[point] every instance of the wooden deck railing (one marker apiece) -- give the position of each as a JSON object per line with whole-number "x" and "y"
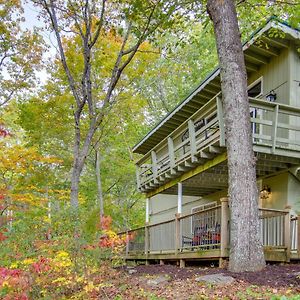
{"x": 209, "y": 229}
{"x": 198, "y": 132}
{"x": 275, "y": 128}
{"x": 294, "y": 234}
{"x": 275, "y": 227}
{"x": 201, "y": 229}
{"x": 161, "y": 237}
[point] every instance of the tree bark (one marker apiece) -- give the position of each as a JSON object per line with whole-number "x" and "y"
{"x": 246, "y": 251}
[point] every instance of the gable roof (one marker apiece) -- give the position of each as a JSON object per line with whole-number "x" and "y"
{"x": 255, "y": 56}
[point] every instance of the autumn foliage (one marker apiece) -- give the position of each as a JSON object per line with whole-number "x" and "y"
{"x": 55, "y": 263}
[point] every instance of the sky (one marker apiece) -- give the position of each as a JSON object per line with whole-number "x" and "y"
{"x": 31, "y": 21}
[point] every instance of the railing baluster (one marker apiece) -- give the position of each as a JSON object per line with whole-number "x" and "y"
{"x": 224, "y": 227}
{"x": 287, "y": 235}
{"x": 298, "y": 235}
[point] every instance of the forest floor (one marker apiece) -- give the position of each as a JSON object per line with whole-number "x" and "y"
{"x": 155, "y": 282}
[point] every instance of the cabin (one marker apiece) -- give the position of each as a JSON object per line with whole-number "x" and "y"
{"x": 183, "y": 165}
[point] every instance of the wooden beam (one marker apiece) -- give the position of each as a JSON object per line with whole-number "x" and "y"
{"x": 200, "y": 97}
{"x": 209, "y": 91}
{"x": 252, "y": 56}
{"x": 276, "y": 42}
{"x": 194, "y": 105}
{"x": 183, "y": 115}
{"x": 199, "y": 169}
{"x": 251, "y": 66}
{"x": 263, "y": 48}
{"x": 277, "y": 158}
{"x": 205, "y": 94}
{"x": 212, "y": 89}
{"x": 204, "y": 154}
{"x": 188, "y": 110}
{"x": 216, "y": 82}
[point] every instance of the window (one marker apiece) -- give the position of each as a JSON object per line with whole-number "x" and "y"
{"x": 255, "y": 89}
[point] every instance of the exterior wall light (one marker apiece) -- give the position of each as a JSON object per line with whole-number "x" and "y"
{"x": 271, "y": 97}
{"x": 265, "y": 192}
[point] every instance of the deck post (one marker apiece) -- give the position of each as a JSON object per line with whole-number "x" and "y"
{"x": 298, "y": 236}
{"x": 221, "y": 121}
{"x": 179, "y": 198}
{"x": 224, "y": 229}
{"x": 192, "y": 137}
{"x": 147, "y": 241}
{"x": 182, "y": 263}
{"x": 287, "y": 234}
{"x": 177, "y": 220}
{"x": 171, "y": 154}
{"x": 177, "y": 233}
{"x": 154, "y": 164}
{"x": 275, "y": 124}
{"x": 147, "y": 210}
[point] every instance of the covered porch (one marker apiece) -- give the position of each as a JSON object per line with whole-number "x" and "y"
{"x": 205, "y": 235}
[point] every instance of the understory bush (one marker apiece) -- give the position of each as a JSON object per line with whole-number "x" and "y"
{"x": 55, "y": 256}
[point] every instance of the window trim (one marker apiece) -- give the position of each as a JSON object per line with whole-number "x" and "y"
{"x": 255, "y": 82}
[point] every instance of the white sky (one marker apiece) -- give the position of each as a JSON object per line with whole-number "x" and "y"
{"x": 31, "y": 21}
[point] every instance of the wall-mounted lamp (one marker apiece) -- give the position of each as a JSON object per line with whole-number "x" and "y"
{"x": 271, "y": 97}
{"x": 265, "y": 192}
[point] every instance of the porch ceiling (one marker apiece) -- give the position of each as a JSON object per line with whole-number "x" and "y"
{"x": 216, "y": 179}
{"x": 258, "y": 51}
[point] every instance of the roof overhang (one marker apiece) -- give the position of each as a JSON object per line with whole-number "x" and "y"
{"x": 255, "y": 55}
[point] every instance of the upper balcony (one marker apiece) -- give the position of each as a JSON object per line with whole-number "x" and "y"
{"x": 201, "y": 138}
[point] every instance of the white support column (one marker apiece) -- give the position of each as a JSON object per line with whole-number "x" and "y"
{"x": 179, "y": 199}
{"x": 147, "y": 210}
{"x": 178, "y": 231}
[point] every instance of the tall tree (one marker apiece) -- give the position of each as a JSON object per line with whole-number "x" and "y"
{"x": 20, "y": 52}
{"x": 136, "y": 20}
{"x": 246, "y": 250}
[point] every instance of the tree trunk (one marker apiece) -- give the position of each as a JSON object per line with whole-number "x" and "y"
{"x": 75, "y": 179}
{"x": 99, "y": 184}
{"x": 246, "y": 251}
{"x": 79, "y": 157}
